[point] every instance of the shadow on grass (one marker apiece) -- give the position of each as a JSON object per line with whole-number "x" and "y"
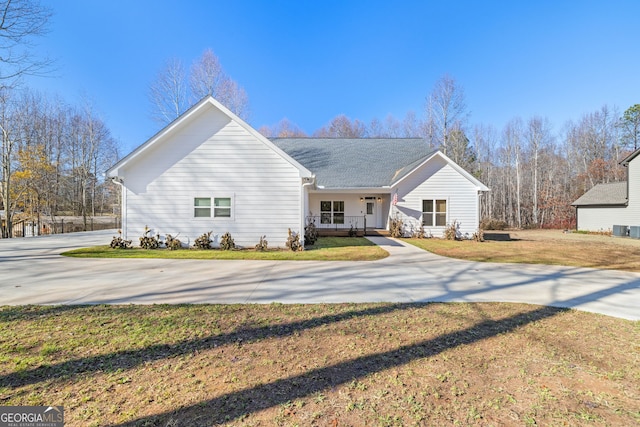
{"x": 232, "y": 406}
{"x": 130, "y": 359}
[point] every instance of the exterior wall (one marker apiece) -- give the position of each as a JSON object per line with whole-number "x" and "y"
{"x": 604, "y": 218}
{"x": 437, "y": 180}
{"x": 212, "y": 156}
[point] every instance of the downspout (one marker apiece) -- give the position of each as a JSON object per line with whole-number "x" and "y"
{"x": 304, "y": 197}
{"x": 123, "y": 205}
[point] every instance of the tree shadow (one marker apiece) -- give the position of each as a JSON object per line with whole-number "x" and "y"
{"x": 235, "y": 405}
{"x": 129, "y": 359}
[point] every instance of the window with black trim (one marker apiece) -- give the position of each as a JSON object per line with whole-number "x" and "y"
{"x": 332, "y": 212}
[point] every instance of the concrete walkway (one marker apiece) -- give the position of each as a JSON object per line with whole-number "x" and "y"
{"x": 33, "y": 272}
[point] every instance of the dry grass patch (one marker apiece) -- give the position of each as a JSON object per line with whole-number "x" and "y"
{"x": 322, "y": 365}
{"x": 544, "y": 247}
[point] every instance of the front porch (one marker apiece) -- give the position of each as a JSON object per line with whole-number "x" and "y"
{"x": 355, "y": 226}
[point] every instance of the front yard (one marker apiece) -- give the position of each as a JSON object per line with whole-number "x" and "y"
{"x": 477, "y": 364}
{"x": 553, "y": 247}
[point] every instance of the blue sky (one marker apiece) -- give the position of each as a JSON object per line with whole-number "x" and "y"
{"x": 312, "y": 60}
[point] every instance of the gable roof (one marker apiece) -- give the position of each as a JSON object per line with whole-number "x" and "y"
{"x": 356, "y": 162}
{"x": 611, "y": 194}
{"x": 206, "y": 102}
{"x": 344, "y": 163}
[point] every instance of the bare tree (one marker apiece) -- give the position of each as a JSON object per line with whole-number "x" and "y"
{"x": 446, "y": 113}
{"x": 537, "y": 137}
{"x": 341, "y": 126}
{"x": 168, "y": 92}
{"x": 284, "y": 129}
{"x": 207, "y": 77}
{"x": 20, "y": 22}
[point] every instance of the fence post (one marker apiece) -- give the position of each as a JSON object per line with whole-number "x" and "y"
{"x": 91, "y": 223}
{"x": 62, "y": 225}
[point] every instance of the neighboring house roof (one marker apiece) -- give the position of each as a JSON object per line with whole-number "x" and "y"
{"x": 356, "y": 163}
{"x": 611, "y": 194}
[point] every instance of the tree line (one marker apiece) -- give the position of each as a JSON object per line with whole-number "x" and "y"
{"x": 53, "y": 154}
{"x": 534, "y": 173}
{"x": 53, "y": 159}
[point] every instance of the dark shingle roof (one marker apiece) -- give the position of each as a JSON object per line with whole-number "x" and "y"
{"x": 356, "y": 163}
{"x": 614, "y": 193}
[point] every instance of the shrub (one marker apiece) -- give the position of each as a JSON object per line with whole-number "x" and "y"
{"x": 396, "y": 227}
{"x": 493, "y": 224}
{"x": 226, "y": 242}
{"x": 353, "y": 232}
{"x": 451, "y": 232}
{"x": 119, "y": 242}
{"x": 262, "y": 244}
{"x": 478, "y": 236}
{"x": 203, "y": 242}
{"x": 293, "y": 241}
{"x": 419, "y": 233}
{"x": 149, "y": 242}
{"x": 172, "y": 243}
{"x": 310, "y": 233}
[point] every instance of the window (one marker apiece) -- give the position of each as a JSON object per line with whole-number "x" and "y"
{"x": 202, "y": 207}
{"x": 332, "y": 212}
{"x": 222, "y": 207}
{"x": 434, "y": 213}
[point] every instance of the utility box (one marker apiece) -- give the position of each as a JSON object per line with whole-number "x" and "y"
{"x": 620, "y": 230}
{"x": 634, "y": 232}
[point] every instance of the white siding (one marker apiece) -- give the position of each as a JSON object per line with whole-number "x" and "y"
{"x": 212, "y": 156}
{"x": 437, "y": 180}
{"x": 604, "y": 218}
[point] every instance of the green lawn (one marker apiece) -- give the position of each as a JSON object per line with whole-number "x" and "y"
{"x": 325, "y": 249}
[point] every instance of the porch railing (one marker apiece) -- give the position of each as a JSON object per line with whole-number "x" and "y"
{"x": 338, "y": 222}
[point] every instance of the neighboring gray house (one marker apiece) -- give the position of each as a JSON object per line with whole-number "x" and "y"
{"x": 209, "y": 170}
{"x": 617, "y": 203}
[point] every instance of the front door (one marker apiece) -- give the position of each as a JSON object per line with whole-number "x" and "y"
{"x": 370, "y": 212}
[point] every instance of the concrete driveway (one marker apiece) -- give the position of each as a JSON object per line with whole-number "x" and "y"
{"x": 33, "y": 272}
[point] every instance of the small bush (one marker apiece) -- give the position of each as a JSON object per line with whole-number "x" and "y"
{"x": 310, "y": 233}
{"x": 293, "y": 241}
{"x": 478, "y": 236}
{"x": 262, "y": 244}
{"x": 493, "y": 224}
{"x": 396, "y": 227}
{"x": 419, "y": 233}
{"x": 203, "y": 241}
{"x": 172, "y": 243}
{"x": 353, "y": 232}
{"x": 226, "y": 242}
{"x": 119, "y": 242}
{"x": 149, "y": 242}
{"x": 451, "y": 232}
